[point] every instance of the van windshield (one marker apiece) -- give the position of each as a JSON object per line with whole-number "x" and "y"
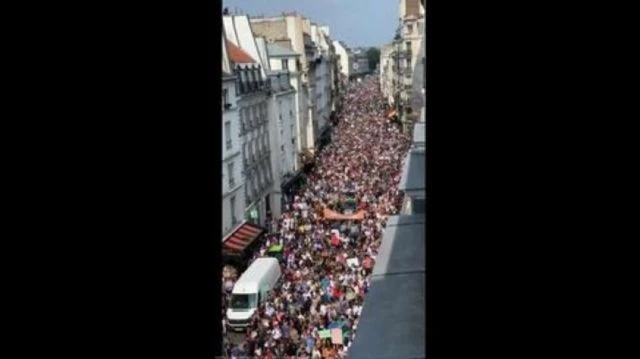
{"x": 243, "y": 301}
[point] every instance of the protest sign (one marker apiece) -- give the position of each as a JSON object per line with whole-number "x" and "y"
{"x": 336, "y": 336}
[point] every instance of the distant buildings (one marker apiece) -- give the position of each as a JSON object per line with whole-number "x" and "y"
{"x": 359, "y": 63}
{"x": 343, "y": 51}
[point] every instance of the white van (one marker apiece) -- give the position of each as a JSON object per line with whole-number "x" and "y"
{"x": 251, "y": 289}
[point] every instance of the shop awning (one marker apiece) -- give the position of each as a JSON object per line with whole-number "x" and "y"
{"x": 236, "y": 242}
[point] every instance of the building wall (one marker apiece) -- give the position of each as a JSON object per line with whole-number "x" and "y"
{"x": 320, "y": 94}
{"x": 283, "y": 148}
{"x": 256, "y": 142}
{"x": 231, "y": 215}
{"x": 345, "y": 65}
{"x": 270, "y": 28}
{"x": 294, "y": 31}
{"x": 276, "y": 63}
{"x": 415, "y": 36}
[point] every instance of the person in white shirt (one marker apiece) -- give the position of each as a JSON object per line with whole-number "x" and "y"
{"x": 269, "y": 311}
{"x": 277, "y": 333}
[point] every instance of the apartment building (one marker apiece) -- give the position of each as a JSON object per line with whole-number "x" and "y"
{"x": 284, "y": 79}
{"x": 233, "y": 199}
{"x": 253, "y": 107}
{"x": 294, "y": 29}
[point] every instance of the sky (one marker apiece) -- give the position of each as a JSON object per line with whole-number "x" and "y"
{"x": 359, "y": 23}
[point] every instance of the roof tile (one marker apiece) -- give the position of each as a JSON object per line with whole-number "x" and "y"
{"x": 237, "y": 55}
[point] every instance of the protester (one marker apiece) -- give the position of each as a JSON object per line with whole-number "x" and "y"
{"x": 327, "y": 264}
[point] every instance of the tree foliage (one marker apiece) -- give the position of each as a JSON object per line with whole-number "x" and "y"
{"x": 373, "y": 55}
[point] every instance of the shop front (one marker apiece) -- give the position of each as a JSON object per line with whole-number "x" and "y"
{"x": 290, "y": 185}
{"x": 325, "y": 137}
{"x": 256, "y": 213}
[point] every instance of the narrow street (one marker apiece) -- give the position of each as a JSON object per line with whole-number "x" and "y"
{"x": 331, "y": 232}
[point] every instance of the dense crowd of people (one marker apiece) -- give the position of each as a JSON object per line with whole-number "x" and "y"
{"x": 326, "y": 264}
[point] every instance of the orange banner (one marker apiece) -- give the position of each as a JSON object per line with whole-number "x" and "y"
{"x": 329, "y": 214}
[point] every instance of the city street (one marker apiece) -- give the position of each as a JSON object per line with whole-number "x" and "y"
{"x": 331, "y": 233}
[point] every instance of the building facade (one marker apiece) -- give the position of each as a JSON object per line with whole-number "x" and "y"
{"x": 283, "y": 80}
{"x": 233, "y": 199}
{"x": 412, "y": 27}
{"x": 255, "y": 118}
{"x": 323, "y": 94}
{"x": 342, "y": 51}
{"x": 388, "y": 73}
{"x": 294, "y": 30}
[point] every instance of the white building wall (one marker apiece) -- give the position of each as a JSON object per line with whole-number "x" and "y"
{"x": 255, "y": 144}
{"x": 319, "y": 95}
{"x": 299, "y": 109}
{"x": 345, "y": 65}
{"x": 232, "y": 155}
{"x": 283, "y": 149}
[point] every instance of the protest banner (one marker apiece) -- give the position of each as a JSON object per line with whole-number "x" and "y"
{"x": 336, "y": 336}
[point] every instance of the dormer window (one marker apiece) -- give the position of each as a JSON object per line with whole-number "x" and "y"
{"x": 243, "y": 80}
{"x": 253, "y": 79}
{"x": 260, "y": 79}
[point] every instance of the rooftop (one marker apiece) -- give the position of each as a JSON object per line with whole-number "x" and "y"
{"x": 419, "y": 133}
{"x": 238, "y": 55}
{"x": 413, "y": 177}
{"x": 279, "y": 51}
{"x": 392, "y": 325}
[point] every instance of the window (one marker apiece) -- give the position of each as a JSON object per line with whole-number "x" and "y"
{"x": 232, "y": 202}
{"x": 409, "y": 28}
{"x": 254, "y": 117}
{"x": 243, "y": 301}
{"x": 242, "y": 119}
{"x": 244, "y": 152}
{"x": 285, "y": 64}
{"x": 254, "y": 80}
{"x": 227, "y": 134}
{"x": 243, "y": 81}
{"x": 232, "y": 179}
{"x": 408, "y": 43}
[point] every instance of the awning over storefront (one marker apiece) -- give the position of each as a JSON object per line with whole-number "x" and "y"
{"x": 236, "y": 242}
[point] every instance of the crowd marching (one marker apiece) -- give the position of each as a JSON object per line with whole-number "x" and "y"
{"x": 327, "y": 264}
